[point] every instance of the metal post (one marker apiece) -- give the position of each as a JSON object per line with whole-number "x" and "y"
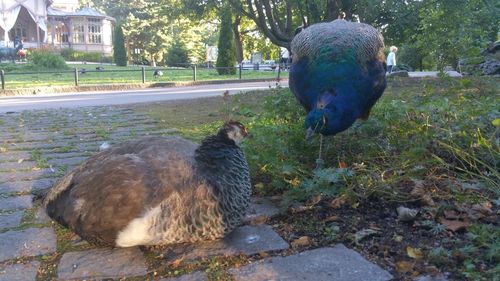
{"x": 2, "y": 75}
{"x": 143, "y": 70}
{"x": 194, "y": 72}
{"x": 279, "y": 73}
{"x": 241, "y": 68}
{"x": 76, "y": 76}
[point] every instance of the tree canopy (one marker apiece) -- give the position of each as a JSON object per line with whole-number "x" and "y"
{"x": 430, "y": 33}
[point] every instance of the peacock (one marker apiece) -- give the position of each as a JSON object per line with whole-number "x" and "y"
{"x": 156, "y": 191}
{"x": 337, "y": 74}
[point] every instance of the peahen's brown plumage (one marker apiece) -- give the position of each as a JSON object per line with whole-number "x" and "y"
{"x": 156, "y": 190}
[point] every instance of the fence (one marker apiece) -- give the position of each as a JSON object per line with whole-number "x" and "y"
{"x": 82, "y": 75}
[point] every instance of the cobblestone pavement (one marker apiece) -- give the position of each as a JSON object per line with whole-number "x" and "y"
{"x": 38, "y": 147}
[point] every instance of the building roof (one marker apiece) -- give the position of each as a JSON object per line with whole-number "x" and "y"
{"x": 84, "y": 12}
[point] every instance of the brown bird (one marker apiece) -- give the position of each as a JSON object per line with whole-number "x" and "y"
{"x": 156, "y": 190}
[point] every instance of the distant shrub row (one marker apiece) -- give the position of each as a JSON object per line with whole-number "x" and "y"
{"x": 72, "y": 55}
{"x": 46, "y": 58}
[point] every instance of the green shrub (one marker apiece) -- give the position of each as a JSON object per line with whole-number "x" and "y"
{"x": 46, "y": 59}
{"x": 226, "y": 59}
{"x": 71, "y": 55}
{"x": 119, "y": 53}
{"x": 177, "y": 54}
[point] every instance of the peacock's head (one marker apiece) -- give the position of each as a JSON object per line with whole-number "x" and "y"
{"x": 316, "y": 122}
{"x": 234, "y": 131}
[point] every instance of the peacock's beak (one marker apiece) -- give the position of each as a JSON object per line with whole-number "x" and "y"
{"x": 309, "y": 133}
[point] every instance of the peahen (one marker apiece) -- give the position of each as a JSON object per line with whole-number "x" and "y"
{"x": 337, "y": 74}
{"x": 156, "y": 190}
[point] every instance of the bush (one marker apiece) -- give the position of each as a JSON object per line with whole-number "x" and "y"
{"x": 46, "y": 59}
{"x": 119, "y": 53}
{"x": 71, "y": 55}
{"x": 177, "y": 54}
{"x": 226, "y": 58}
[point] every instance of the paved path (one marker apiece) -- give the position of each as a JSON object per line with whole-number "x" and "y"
{"x": 38, "y": 147}
{"x": 73, "y": 100}
{"x": 417, "y": 74}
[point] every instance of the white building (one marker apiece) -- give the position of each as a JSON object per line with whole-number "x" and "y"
{"x": 56, "y": 23}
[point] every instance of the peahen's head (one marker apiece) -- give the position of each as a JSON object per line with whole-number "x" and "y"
{"x": 234, "y": 131}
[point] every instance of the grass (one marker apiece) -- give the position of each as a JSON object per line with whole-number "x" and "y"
{"x": 429, "y": 144}
{"x": 111, "y": 75}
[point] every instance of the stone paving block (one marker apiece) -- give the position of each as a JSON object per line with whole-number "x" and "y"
{"x": 27, "y": 175}
{"x": 41, "y": 216}
{"x": 248, "y": 240}
{"x": 19, "y": 272}
{"x": 261, "y": 207}
{"x": 194, "y": 276}
{"x": 324, "y": 264}
{"x": 27, "y": 186}
{"x": 10, "y": 220}
{"x": 16, "y": 202}
{"x": 28, "y": 242}
{"x": 13, "y": 156}
{"x": 102, "y": 263}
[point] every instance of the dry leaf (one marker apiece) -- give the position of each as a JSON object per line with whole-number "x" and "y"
{"x": 427, "y": 200}
{"x": 343, "y": 165}
{"x": 332, "y": 218}
{"x": 177, "y": 262}
{"x": 338, "y": 202}
{"x": 315, "y": 200}
{"x": 451, "y": 214}
{"x": 261, "y": 219}
{"x": 414, "y": 253}
{"x": 364, "y": 233}
{"x": 302, "y": 241}
{"x": 479, "y": 211}
{"x": 20, "y": 161}
{"x": 404, "y": 266}
{"x": 454, "y": 225}
{"x": 406, "y": 214}
{"x": 263, "y": 254}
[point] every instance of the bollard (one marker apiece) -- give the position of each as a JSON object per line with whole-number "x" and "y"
{"x": 194, "y": 72}
{"x": 2, "y": 76}
{"x": 279, "y": 73}
{"x": 143, "y": 70}
{"x": 76, "y": 76}
{"x": 241, "y": 68}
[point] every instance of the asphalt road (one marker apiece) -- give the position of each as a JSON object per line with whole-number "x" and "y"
{"x": 72, "y": 100}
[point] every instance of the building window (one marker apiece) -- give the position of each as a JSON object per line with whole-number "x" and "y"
{"x": 20, "y": 31}
{"x": 95, "y": 34}
{"x": 78, "y": 32}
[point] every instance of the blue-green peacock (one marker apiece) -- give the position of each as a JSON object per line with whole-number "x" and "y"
{"x": 337, "y": 74}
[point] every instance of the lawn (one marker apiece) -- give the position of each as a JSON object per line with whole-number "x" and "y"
{"x": 14, "y": 77}
{"x": 430, "y": 146}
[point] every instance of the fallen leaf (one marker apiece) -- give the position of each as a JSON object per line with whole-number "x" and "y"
{"x": 259, "y": 186}
{"x": 454, "y": 225}
{"x": 332, "y": 218}
{"x": 451, "y": 214}
{"x": 315, "y": 200}
{"x": 479, "y": 211}
{"x": 263, "y": 254}
{"x": 177, "y": 262}
{"x": 300, "y": 208}
{"x": 414, "y": 253}
{"x": 404, "y": 266}
{"x": 261, "y": 219}
{"x": 302, "y": 241}
{"x": 364, "y": 233}
{"x": 20, "y": 161}
{"x": 406, "y": 214}
{"x": 427, "y": 200}
{"x": 338, "y": 202}
{"x": 397, "y": 238}
{"x": 343, "y": 165}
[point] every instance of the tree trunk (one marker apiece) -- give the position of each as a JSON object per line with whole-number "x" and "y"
{"x": 237, "y": 39}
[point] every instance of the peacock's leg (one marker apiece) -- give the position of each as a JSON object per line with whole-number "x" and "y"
{"x": 320, "y": 162}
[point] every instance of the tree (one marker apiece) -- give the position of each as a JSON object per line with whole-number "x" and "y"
{"x": 177, "y": 54}
{"x": 226, "y": 50}
{"x": 119, "y": 51}
{"x": 446, "y": 33}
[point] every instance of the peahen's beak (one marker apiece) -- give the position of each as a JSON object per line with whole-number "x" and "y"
{"x": 309, "y": 133}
